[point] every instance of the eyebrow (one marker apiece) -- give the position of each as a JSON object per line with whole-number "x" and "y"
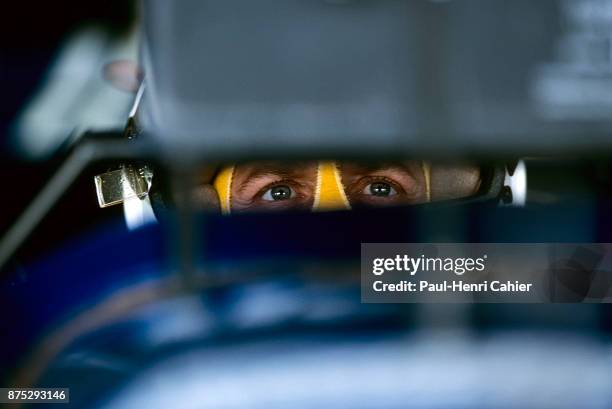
{"x": 405, "y": 168}
{"x": 269, "y": 170}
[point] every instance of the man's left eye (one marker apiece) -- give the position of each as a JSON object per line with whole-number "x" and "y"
{"x": 279, "y": 192}
{"x": 379, "y": 189}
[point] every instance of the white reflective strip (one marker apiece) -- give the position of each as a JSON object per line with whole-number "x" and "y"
{"x": 138, "y": 212}
{"x": 518, "y": 183}
{"x": 136, "y": 104}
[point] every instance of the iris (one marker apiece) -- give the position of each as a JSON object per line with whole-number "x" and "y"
{"x": 276, "y": 193}
{"x": 380, "y": 189}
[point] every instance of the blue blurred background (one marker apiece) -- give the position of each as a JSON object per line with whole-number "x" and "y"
{"x": 272, "y": 315}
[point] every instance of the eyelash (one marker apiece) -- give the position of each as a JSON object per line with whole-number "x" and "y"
{"x": 284, "y": 182}
{"x": 367, "y": 180}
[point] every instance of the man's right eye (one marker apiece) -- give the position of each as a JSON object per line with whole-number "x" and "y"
{"x": 277, "y": 193}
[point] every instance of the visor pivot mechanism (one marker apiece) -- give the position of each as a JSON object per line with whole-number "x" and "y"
{"x": 116, "y": 186}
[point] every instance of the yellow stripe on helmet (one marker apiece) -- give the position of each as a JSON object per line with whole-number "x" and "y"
{"x": 330, "y": 193}
{"x": 223, "y": 186}
{"x": 425, "y": 166}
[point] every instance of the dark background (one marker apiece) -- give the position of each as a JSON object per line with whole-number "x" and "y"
{"x": 31, "y": 33}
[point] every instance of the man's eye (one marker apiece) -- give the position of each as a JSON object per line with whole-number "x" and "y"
{"x": 379, "y": 189}
{"x": 279, "y": 192}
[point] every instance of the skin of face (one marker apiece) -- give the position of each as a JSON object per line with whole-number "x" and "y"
{"x": 384, "y": 184}
{"x": 256, "y": 184}
{"x": 283, "y": 186}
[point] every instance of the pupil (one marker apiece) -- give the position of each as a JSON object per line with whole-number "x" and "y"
{"x": 380, "y": 189}
{"x": 281, "y": 192}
